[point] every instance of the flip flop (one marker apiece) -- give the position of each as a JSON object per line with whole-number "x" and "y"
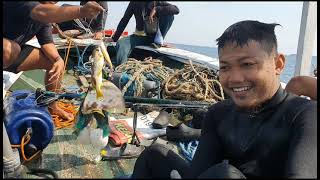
{"x": 126, "y": 151}
{"x": 182, "y": 133}
{"x": 161, "y": 121}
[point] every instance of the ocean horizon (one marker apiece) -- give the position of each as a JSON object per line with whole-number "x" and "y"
{"x": 285, "y": 76}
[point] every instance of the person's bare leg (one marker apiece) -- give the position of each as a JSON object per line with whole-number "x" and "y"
{"x": 11, "y": 50}
{"x": 37, "y": 60}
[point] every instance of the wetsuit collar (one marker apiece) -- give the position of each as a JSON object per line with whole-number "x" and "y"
{"x": 276, "y": 99}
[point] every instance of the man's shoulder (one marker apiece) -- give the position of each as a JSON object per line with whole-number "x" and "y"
{"x": 21, "y": 7}
{"x": 20, "y": 3}
{"x": 296, "y": 105}
{"x": 296, "y": 102}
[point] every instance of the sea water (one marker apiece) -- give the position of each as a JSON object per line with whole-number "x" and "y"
{"x": 286, "y": 75}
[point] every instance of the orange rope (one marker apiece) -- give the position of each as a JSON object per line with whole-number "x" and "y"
{"x": 65, "y": 61}
{"x": 25, "y": 140}
{"x": 62, "y": 123}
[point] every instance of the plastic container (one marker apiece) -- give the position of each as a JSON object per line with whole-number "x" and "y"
{"x": 21, "y": 113}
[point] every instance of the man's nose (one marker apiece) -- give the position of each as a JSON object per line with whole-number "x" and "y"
{"x": 235, "y": 76}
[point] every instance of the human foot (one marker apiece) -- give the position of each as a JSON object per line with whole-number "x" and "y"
{"x": 55, "y": 109}
{"x": 167, "y": 45}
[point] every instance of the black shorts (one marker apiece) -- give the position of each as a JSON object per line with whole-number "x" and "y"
{"x": 25, "y": 52}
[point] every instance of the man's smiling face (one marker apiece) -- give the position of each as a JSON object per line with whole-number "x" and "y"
{"x": 248, "y": 74}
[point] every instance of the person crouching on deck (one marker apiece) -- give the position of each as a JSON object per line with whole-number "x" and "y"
{"x": 22, "y": 21}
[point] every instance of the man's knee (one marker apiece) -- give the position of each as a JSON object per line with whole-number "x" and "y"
{"x": 294, "y": 85}
{"x": 11, "y": 51}
{"x": 222, "y": 170}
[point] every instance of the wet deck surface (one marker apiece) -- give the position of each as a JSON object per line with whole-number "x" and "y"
{"x": 70, "y": 159}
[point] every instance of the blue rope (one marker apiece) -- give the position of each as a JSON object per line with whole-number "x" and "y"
{"x": 124, "y": 78}
{"x": 81, "y": 66}
{"x": 188, "y": 149}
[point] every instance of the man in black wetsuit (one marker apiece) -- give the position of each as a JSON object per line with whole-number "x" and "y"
{"x": 262, "y": 131}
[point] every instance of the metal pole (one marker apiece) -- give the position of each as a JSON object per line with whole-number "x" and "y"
{"x": 308, "y": 28}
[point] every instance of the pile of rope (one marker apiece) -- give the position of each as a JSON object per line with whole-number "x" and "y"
{"x": 63, "y": 123}
{"x": 149, "y": 68}
{"x": 193, "y": 83}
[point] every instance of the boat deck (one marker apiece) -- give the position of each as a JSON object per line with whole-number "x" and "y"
{"x": 64, "y": 154}
{"x": 70, "y": 159}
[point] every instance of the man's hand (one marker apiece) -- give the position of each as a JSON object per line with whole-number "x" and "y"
{"x": 98, "y": 35}
{"x": 152, "y": 15}
{"x": 56, "y": 70}
{"x": 90, "y": 10}
{"x": 108, "y": 39}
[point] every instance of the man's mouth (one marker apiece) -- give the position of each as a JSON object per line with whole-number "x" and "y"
{"x": 241, "y": 89}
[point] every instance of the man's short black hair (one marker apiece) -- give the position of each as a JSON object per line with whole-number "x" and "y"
{"x": 243, "y": 31}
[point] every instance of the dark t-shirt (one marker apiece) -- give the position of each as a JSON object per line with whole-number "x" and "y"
{"x": 20, "y": 27}
{"x": 279, "y": 140}
{"x": 141, "y": 9}
{"x": 134, "y": 8}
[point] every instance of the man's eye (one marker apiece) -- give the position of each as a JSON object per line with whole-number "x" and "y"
{"x": 223, "y": 68}
{"x": 247, "y": 64}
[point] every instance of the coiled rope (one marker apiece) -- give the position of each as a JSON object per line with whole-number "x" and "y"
{"x": 140, "y": 70}
{"x": 193, "y": 83}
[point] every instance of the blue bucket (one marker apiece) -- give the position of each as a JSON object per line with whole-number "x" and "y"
{"x": 21, "y": 113}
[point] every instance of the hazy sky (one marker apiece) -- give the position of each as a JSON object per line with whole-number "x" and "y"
{"x": 201, "y": 23}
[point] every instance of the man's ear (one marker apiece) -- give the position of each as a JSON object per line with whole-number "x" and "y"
{"x": 280, "y": 61}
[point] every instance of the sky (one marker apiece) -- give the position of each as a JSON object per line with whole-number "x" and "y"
{"x": 200, "y": 23}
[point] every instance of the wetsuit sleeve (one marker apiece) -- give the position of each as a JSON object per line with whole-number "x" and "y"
{"x": 209, "y": 150}
{"x": 44, "y": 35}
{"x": 165, "y": 8}
{"x": 302, "y": 156}
{"x": 124, "y": 21}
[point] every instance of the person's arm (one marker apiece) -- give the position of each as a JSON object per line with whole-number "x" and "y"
{"x": 303, "y": 85}
{"x": 123, "y": 22}
{"x": 44, "y": 37}
{"x": 50, "y": 13}
{"x": 302, "y": 156}
{"x": 52, "y": 54}
{"x": 209, "y": 150}
{"x": 98, "y": 23}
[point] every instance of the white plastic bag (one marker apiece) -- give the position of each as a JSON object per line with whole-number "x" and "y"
{"x": 92, "y": 136}
{"x": 84, "y": 136}
{"x": 97, "y": 139}
{"x": 158, "y": 39}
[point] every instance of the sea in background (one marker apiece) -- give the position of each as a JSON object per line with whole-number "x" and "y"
{"x": 286, "y": 75}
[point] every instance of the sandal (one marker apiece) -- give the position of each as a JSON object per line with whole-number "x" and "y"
{"x": 126, "y": 151}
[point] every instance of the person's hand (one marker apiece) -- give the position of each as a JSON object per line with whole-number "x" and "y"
{"x": 98, "y": 35}
{"x": 90, "y": 10}
{"x": 152, "y": 15}
{"x": 108, "y": 39}
{"x": 56, "y": 70}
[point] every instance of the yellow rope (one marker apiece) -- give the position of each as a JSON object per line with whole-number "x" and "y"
{"x": 193, "y": 83}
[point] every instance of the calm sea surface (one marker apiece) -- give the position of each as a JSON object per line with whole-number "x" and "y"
{"x": 286, "y": 75}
